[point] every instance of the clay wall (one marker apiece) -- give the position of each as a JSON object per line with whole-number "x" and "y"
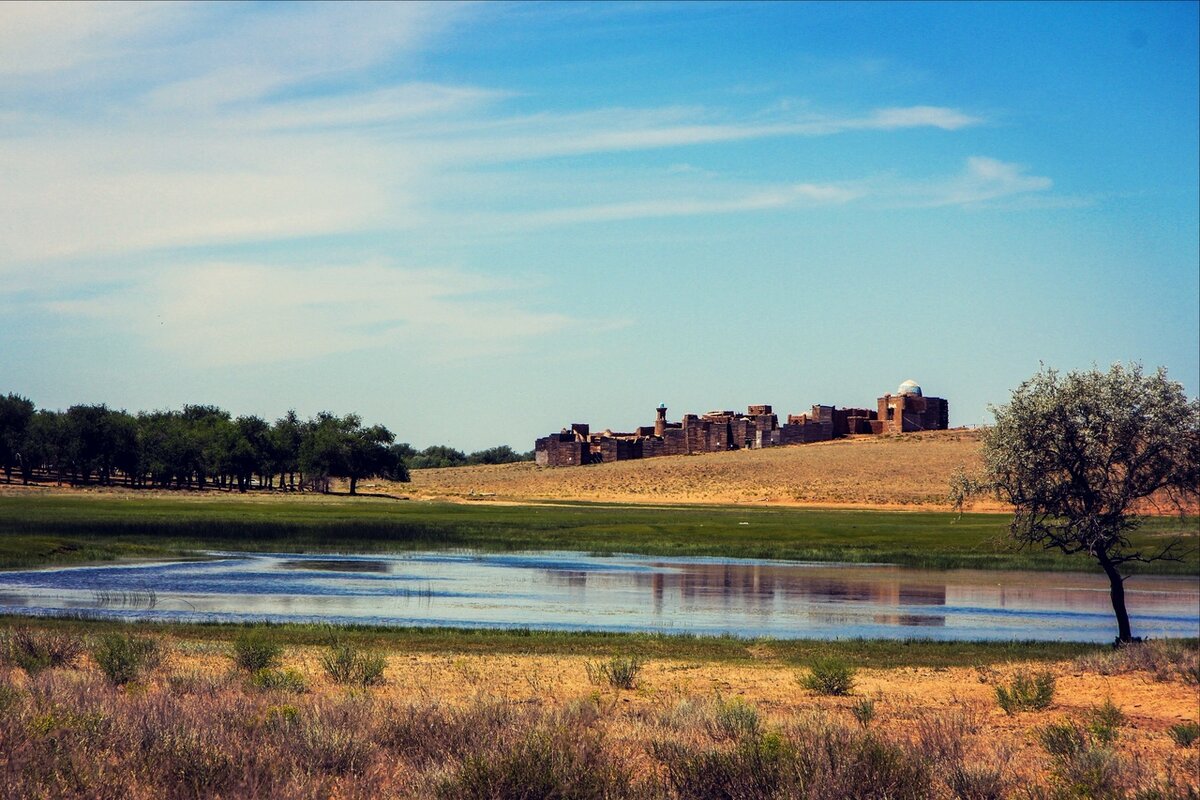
{"x": 717, "y": 431}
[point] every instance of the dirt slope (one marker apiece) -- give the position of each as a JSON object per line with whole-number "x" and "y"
{"x": 910, "y": 470}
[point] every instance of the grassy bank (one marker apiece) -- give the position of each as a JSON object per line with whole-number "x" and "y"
{"x": 59, "y": 529}
{"x": 867, "y": 653}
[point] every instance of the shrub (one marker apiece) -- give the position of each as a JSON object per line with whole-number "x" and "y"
{"x": 286, "y": 680}
{"x": 122, "y": 657}
{"x": 620, "y": 672}
{"x": 346, "y": 664}
{"x": 254, "y": 650}
{"x": 335, "y": 738}
{"x": 1026, "y": 693}
{"x": 736, "y": 719}
{"x": 977, "y": 781}
{"x": 197, "y": 682}
{"x": 1105, "y": 721}
{"x": 759, "y": 767}
{"x": 556, "y": 762}
{"x": 434, "y": 733}
{"x": 34, "y": 651}
{"x": 831, "y": 676}
{"x": 1063, "y": 740}
{"x": 1185, "y": 733}
{"x": 1164, "y": 659}
{"x": 863, "y": 711}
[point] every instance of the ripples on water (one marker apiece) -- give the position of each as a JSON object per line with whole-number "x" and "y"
{"x": 619, "y": 593}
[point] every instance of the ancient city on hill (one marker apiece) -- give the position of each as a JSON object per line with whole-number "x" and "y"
{"x": 908, "y": 409}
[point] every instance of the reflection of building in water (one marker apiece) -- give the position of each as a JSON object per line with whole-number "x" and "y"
{"x": 764, "y": 588}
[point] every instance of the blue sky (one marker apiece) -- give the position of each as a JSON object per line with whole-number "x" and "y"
{"x": 479, "y": 223}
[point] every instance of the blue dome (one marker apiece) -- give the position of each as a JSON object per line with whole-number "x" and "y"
{"x": 909, "y": 387}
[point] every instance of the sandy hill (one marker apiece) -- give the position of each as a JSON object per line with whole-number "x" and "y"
{"x": 867, "y": 471}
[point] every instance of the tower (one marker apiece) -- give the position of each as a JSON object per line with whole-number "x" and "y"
{"x": 660, "y": 423}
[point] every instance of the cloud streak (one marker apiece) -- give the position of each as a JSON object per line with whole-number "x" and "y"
{"x": 225, "y": 314}
{"x": 144, "y": 129}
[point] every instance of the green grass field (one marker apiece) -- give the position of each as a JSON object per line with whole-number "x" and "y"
{"x": 866, "y": 653}
{"x": 59, "y": 529}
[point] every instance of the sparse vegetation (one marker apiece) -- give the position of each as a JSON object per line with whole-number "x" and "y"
{"x": 619, "y": 672}
{"x": 831, "y": 676}
{"x": 1026, "y": 692}
{"x": 202, "y": 731}
{"x": 255, "y": 651}
{"x": 735, "y": 719}
{"x": 35, "y": 650}
{"x": 284, "y": 680}
{"x": 863, "y": 711}
{"x": 1105, "y": 721}
{"x": 123, "y": 657}
{"x": 1185, "y": 733}
{"x": 1163, "y": 659}
{"x": 347, "y": 664}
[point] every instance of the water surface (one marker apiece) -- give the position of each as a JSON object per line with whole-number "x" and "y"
{"x": 617, "y": 593}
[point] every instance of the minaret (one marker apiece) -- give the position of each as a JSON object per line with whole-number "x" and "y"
{"x": 660, "y": 424}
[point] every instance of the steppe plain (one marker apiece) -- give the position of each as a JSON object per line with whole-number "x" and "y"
{"x": 512, "y": 714}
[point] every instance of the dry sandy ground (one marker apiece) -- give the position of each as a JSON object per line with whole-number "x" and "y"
{"x": 912, "y": 470}
{"x": 903, "y": 696}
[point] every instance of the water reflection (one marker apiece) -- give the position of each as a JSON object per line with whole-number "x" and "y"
{"x": 338, "y": 565}
{"x": 572, "y": 590}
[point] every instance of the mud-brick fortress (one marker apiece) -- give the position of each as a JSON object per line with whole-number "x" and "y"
{"x": 906, "y": 410}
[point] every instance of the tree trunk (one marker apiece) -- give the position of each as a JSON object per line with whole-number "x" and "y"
{"x": 353, "y": 483}
{"x": 1117, "y": 590}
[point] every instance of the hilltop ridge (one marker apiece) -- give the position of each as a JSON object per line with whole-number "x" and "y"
{"x": 889, "y": 471}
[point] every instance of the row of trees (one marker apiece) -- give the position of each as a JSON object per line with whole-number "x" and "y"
{"x": 202, "y": 446}
{"x": 442, "y": 456}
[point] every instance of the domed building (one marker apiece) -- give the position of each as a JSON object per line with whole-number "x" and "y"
{"x": 910, "y": 410}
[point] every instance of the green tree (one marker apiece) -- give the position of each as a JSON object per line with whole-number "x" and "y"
{"x": 1081, "y": 457}
{"x": 367, "y": 452}
{"x": 286, "y": 436}
{"x": 15, "y": 415}
{"x": 44, "y": 446}
{"x": 322, "y": 449}
{"x": 438, "y": 456}
{"x": 397, "y": 463}
{"x": 502, "y": 454}
{"x": 212, "y": 434}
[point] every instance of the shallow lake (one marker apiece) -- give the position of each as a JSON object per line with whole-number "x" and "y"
{"x": 613, "y": 593}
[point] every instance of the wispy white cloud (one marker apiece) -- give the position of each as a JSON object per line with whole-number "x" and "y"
{"x": 983, "y": 179}
{"x": 44, "y": 37}
{"x": 148, "y": 128}
{"x": 805, "y": 194}
{"x": 223, "y": 314}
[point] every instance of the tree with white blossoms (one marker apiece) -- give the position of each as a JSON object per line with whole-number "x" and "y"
{"x": 1083, "y": 457}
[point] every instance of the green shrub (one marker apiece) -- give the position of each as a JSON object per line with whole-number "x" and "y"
{"x": 1185, "y": 733}
{"x": 1104, "y": 722}
{"x": 346, "y": 664}
{"x": 1026, "y": 692}
{"x": 543, "y": 763}
{"x": 122, "y": 657}
{"x": 1063, "y": 740}
{"x": 285, "y": 680}
{"x": 863, "y": 711}
{"x": 620, "y": 672}
{"x": 832, "y": 676}
{"x": 34, "y": 650}
{"x": 759, "y": 767}
{"x": 736, "y": 719}
{"x": 254, "y": 651}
